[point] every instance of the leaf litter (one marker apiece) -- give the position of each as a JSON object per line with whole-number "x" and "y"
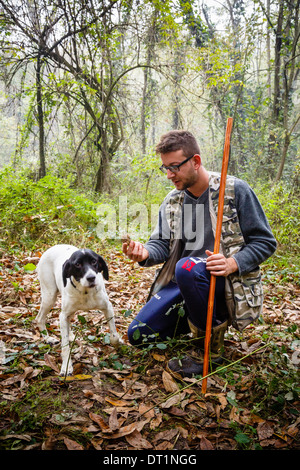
{"x": 126, "y": 399}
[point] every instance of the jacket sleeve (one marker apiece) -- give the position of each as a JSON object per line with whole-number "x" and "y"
{"x": 260, "y": 243}
{"x": 158, "y": 244}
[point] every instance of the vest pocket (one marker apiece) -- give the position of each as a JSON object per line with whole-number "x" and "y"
{"x": 245, "y": 298}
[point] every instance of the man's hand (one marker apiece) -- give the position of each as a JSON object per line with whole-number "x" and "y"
{"x": 135, "y": 251}
{"x": 218, "y": 265}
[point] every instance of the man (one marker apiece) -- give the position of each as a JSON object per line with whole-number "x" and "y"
{"x": 184, "y": 240}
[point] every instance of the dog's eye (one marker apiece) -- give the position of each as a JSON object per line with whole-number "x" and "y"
{"x": 77, "y": 265}
{"x": 94, "y": 262}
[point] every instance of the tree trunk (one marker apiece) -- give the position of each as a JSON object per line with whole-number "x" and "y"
{"x": 40, "y": 114}
{"x": 144, "y": 111}
{"x": 286, "y": 145}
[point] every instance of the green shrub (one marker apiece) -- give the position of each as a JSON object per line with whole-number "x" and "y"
{"x": 44, "y": 211}
{"x": 282, "y": 207}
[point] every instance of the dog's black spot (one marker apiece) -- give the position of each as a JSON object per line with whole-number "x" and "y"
{"x": 80, "y": 262}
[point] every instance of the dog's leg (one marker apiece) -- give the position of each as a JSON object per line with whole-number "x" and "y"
{"x": 67, "y": 367}
{"x": 48, "y": 301}
{"x": 108, "y": 311}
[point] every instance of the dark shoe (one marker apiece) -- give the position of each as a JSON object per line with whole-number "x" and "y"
{"x": 189, "y": 366}
{"x": 192, "y": 364}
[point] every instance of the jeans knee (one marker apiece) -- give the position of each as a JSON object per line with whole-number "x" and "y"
{"x": 180, "y": 272}
{"x": 185, "y": 272}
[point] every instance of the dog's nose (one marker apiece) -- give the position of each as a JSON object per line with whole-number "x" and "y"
{"x": 91, "y": 279}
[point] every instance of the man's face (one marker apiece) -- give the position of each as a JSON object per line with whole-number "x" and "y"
{"x": 186, "y": 176}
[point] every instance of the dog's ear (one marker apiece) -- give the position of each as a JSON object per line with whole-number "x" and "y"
{"x": 102, "y": 266}
{"x": 66, "y": 271}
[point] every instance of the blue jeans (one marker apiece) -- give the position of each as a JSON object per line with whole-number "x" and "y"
{"x": 163, "y": 316}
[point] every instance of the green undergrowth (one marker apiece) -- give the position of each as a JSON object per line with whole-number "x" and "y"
{"x": 34, "y": 214}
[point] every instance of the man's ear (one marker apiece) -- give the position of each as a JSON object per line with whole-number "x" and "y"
{"x": 197, "y": 160}
{"x": 102, "y": 266}
{"x": 66, "y": 271}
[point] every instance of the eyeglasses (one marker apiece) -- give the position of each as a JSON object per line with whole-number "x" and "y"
{"x": 174, "y": 168}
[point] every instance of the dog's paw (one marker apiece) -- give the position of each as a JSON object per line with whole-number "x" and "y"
{"x": 115, "y": 340}
{"x": 64, "y": 371}
{"x": 71, "y": 336}
{"x": 51, "y": 339}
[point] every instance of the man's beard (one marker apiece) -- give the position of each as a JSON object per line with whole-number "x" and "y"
{"x": 185, "y": 184}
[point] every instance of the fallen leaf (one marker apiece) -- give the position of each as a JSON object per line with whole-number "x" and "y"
{"x": 49, "y": 443}
{"x": 28, "y": 371}
{"x": 136, "y": 440}
{"x": 205, "y": 444}
{"x": 116, "y": 402}
{"x": 166, "y": 435}
{"x": 174, "y": 400}
{"x": 234, "y": 414}
{"x": 165, "y": 445}
{"x": 72, "y": 378}
{"x": 148, "y": 411}
{"x": 72, "y": 445}
{"x": 158, "y": 357}
{"x": 50, "y": 362}
{"x": 93, "y": 396}
{"x": 101, "y": 423}
{"x": 23, "y": 437}
{"x": 62, "y": 420}
{"x": 125, "y": 430}
{"x": 264, "y": 430}
{"x": 113, "y": 420}
{"x": 169, "y": 383}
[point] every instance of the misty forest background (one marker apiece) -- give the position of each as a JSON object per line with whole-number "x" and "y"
{"x": 88, "y": 87}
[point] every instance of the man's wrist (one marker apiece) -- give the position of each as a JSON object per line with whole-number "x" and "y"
{"x": 233, "y": 266}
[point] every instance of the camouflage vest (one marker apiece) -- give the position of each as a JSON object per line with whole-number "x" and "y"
{"x": 243, "y": 294}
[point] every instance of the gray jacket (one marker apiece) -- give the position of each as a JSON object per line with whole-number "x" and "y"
{"x": 246, "y": 236}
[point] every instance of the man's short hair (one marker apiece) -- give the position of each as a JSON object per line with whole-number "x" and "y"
{"x": 178, "y": 140}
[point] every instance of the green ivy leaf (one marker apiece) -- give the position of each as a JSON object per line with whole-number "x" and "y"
{"x": 161, "y": 346}
{"x": 242, "y": 438}
{"x": 29, "y": 267}
{"x": 82, "y": 319}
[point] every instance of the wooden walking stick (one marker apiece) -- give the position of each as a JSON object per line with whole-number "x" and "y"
{"x": 212, "y": 286}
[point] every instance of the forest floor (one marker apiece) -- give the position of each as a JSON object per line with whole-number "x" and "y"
{"x": 126, "y": 399}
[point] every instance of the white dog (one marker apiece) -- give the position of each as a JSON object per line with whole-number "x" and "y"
{"x": 76, "y": 274}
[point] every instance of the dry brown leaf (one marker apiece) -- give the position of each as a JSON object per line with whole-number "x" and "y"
{"x": 116, "y": 402}
{"x": 201, "y": 404}
{"x": 174, "y": 410}
{"x": 126, "y": 430}
{"x": 100, "y": 421}
{"x": 166, "y": 435}
{"x": 136, "y": 440}
{"x": 165, "y": 445}
{"x": 264, "y": 430}
{"x": 97, "y": 443}
{"x": 93, "y": 396}
{"x": 158, "y": 357}
{"x": 205, "y": 444}
{"x": 113, "y": 420}
{"x": 174, "y": 400}
{"x": 234, "y": 414}
{"x": 49, "y": 443}
{"x": 169, "y": 383}
{"x": 23, "y": 437}
{"x": 72, "y": 445}
{"x": 50, "y": 362}
{"x": 20, "y": 377}
{"x": 146, "y": 410}
{"x": 155, "y": 422}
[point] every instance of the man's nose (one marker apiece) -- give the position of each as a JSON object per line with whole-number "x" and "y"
{"x": 170, "y": 174}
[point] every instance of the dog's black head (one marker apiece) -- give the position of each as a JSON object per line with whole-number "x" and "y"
{"x": 84, "y": 265}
